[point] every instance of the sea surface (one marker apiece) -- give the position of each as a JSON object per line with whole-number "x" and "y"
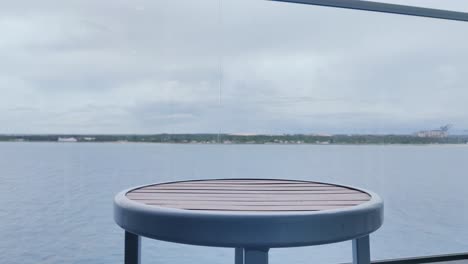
{"x": 56, "y": 198}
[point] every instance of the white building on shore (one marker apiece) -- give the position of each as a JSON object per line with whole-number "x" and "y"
{"x": 67, "y": 139}
{"x": 432, "y": 134}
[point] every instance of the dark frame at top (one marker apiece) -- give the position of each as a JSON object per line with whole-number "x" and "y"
{"x": 386, "y": 8}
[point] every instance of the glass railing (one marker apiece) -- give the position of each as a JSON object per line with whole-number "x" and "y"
{"x": 159, "y": 91}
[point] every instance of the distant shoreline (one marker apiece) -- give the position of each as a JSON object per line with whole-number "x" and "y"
{"x": 228, "y": 139}
{"x": 240, "y": 144}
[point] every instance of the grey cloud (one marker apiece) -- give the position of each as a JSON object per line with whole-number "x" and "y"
{"x": 157, "y": 66}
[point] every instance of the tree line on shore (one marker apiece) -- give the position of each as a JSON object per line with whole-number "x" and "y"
{"x": 244, "y": 139}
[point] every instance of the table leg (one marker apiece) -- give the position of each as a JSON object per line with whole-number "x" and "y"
{"x": 239, "y": 256}
{"x": 132, "y": 248}
{"x": 256, "y": 256}
{"x": 361, "y": 250}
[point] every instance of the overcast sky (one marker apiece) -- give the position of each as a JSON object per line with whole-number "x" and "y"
{"x": 239, "y": 66}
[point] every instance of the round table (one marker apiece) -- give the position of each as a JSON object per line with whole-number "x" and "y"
{"x": 250, "y": 215}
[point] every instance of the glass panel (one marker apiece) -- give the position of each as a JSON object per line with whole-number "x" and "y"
{"x": 157, "y": 91}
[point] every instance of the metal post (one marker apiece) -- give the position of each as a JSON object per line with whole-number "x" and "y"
{"x": 132, "y": 248}
{"x": 239, "y": 256}
{"x": 256, "y": 256}
{"x": 361, "y": 250}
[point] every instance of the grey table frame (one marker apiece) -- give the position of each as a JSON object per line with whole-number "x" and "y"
{"x": 252, "y": 234}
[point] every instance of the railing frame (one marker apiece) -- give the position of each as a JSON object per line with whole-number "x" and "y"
{"x": 425, "y": 259}
{"x": 386, "y": 8}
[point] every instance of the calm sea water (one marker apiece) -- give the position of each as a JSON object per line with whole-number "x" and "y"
{"x": 56, "y": 199}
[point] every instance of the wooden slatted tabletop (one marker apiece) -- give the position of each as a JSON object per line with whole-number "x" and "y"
{"x": 249, "y": 195}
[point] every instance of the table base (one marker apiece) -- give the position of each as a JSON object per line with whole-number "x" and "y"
{"x": 361, "y": 252}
